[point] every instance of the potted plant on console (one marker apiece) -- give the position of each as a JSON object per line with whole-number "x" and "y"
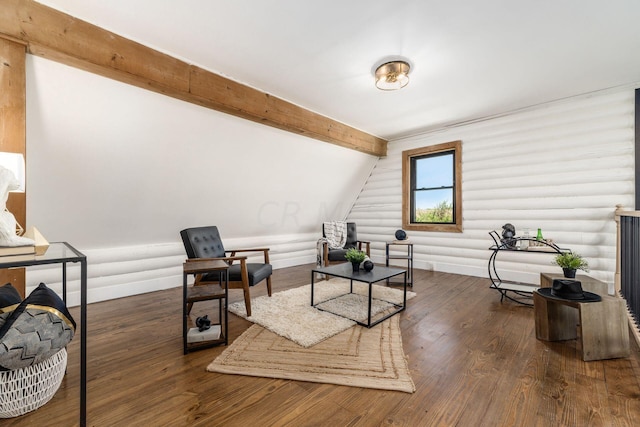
{"x": 355, "y": 257}
{"x": 570, "y": 262}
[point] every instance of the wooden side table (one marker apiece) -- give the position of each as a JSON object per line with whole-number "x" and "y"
{"x": 407, "y": 255}
{"x": 192, "y": 294}
{"x": 600, "y": 327}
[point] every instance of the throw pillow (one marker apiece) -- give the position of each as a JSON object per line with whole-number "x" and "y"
{"x": 38, "y": 328}
{"x": 9, "y": 296}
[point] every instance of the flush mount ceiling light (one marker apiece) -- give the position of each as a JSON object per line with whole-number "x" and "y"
{"x": 392, "y": 75}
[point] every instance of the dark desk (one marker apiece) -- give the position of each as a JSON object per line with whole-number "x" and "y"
{"x": 378, "y": 274}
{"x": 63, "y": 253}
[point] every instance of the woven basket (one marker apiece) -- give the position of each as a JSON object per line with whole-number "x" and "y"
{"x": 26, "y": 389}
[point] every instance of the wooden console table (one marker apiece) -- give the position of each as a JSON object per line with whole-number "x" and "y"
{"x": 600, "y": 327}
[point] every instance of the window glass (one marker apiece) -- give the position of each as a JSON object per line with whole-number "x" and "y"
{"x": 433, "y": 206}
{"x": 434, "y": 171}
{"x": 432, "y": 178}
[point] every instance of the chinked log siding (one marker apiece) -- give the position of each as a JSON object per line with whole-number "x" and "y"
{"x": 63, "y": 38}
{"x": 562, "y": 167}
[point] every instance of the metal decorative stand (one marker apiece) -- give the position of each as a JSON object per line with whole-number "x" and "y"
{"x": 518, "y": 290}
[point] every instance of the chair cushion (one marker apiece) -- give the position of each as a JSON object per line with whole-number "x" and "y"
{"x": 37, "y": 329}
{"x": 256, "y": 273}
{"x": 337, "y": 255}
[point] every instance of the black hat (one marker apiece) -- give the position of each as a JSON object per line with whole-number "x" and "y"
{"x": 568, "y": 290}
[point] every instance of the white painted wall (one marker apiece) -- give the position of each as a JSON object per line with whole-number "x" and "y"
{"x": 561, "y": 167}
{"x": 118, "y": 171}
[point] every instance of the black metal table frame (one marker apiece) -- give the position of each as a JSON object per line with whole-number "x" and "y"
{"x": 500, "y": 246}
{"x": 51, "y": 257}
{"x": 345, "y": 271}
{"x": 408, "y": 257}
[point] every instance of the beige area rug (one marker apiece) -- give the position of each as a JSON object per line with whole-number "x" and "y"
{"x": 358, "y": 357}
{"x": 290, "y": 314}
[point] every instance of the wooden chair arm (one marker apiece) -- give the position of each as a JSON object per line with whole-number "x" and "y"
{"x": 227, "y": 258}
{"x": 204, "y": 259}
{"x": 265, "y": 252}
{"x": 367, "y": 244}
{"x": 248, "y": 250}
{"x": 325, "y": 253}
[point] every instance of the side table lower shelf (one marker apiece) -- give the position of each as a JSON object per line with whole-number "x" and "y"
{"x": 208, "y": 292}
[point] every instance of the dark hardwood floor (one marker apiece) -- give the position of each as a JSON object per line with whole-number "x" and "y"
{"x": 475, "y": 362}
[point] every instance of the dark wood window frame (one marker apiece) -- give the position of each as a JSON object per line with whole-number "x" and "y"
{"x": 407, "y": 156}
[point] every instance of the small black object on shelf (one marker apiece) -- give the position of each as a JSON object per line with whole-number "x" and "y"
{"x": 203, "y": 323}
{"x": 401, "y": 235}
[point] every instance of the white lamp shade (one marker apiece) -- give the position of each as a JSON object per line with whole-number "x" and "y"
{"x": 15, "y": 163}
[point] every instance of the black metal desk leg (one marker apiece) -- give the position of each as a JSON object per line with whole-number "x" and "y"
{"x": 404, "y": 305}
{"x": 312, "y": 276}
{"x": 370, "y": 299}
{"x": 83, "y": 338}
{"x": 64, "y": 283}
{"x": 184, "y": 313}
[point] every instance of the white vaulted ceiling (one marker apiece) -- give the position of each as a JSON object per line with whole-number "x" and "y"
{"x": 470, "y": 59}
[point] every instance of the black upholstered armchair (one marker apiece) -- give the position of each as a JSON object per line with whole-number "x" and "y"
{"x": 336, "y": 256}
{"x": 205, "y": 242}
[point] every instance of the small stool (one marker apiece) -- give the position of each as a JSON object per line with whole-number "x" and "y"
{"x": 600, "y": 327}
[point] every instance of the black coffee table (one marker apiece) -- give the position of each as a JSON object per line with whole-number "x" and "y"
{"x": 378, "y": 274}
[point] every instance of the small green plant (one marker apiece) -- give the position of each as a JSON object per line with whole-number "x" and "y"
{"x": 572, "y": 261}
{"x": 354, "y": 255}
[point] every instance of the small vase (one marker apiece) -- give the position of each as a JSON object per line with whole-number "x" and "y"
{"x": 569, "y": 273}
{"x": 356, "y": 266}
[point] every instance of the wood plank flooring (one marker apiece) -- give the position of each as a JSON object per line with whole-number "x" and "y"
{"x": 475, "y": 362}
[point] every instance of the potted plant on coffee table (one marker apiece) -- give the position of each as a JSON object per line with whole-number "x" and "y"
{"x": 570, "y": 262}
{"x": 355, "y": 257}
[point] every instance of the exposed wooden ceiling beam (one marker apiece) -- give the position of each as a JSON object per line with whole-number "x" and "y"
{"x": 63, "y": 38}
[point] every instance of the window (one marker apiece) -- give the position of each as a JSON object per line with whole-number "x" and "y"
{"x": 432, "y": 188}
